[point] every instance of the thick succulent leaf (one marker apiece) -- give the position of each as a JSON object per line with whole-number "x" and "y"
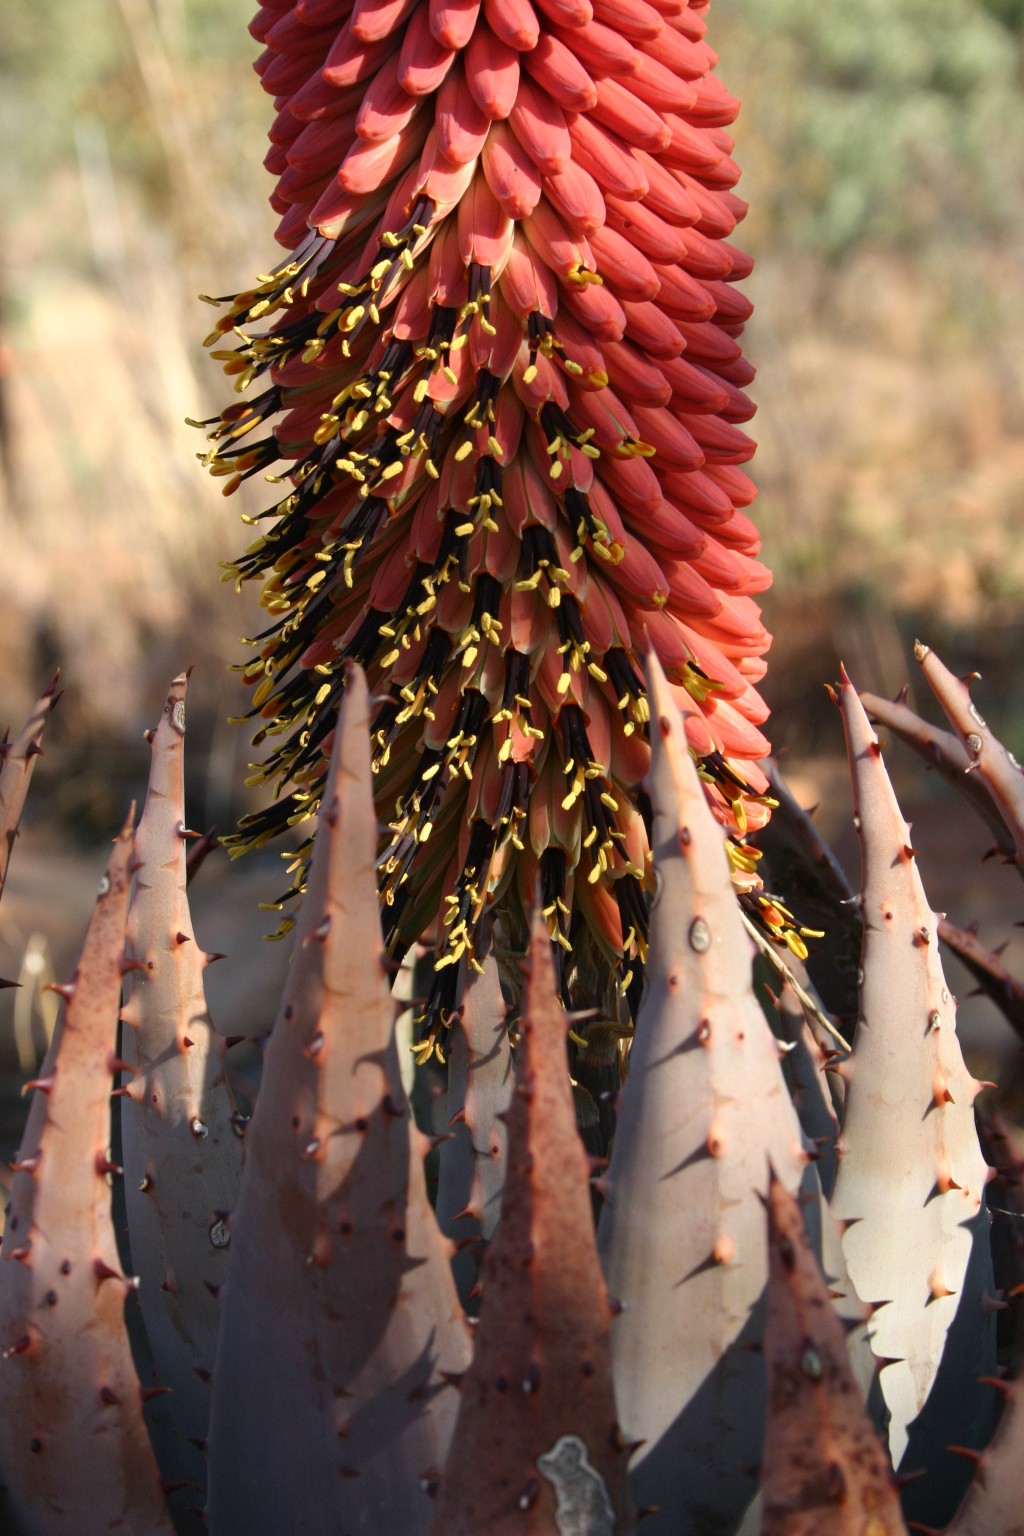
{"x": 74, "y": 1450}
{"x": 1004, "y": 1153}
{"x": 471, "y": 1175}
{"x": 703, "y": 1110}
{"x": 851, "y": 1311}
{"x": 798, "y": 861}
{"x": 942, "y": 751}
{"x": 997, "y": 768}
{"x": 804, "y": 1067}
{"x": 17, "y": 760}
{"x": 536, "y": 1448}
{"x": 994, "y": 1503}
{"x": 181, "y": 1149}
{"x": 340, "y": 1319}
{"x": 911, "y": 1173}
{"x": 992, "y": 976}
{"x": 825, "y": 1472}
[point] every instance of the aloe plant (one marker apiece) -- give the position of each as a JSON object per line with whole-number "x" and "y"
{"x": 346, "y": 1384}
{"x": 708, "y": 1247}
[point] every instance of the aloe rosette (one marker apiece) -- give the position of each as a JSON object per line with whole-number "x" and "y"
{"x": 500, "y": 389}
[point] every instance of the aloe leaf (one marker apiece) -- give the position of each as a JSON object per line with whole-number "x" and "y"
{"x": 1005, "y": 990}
{"x": 340, "y": 1325}
{"x": 17, "y": 760}
{"x": 473, "y": 1158}
{"x": 203, "y": 845}
{"x": 703, "y": 1109}
{"x": 536, "y": 1448}
{"x": 850, "y": 1310}
{"x": 804, "y": 1066}
{"x": 942, "y": 751}
{"x": 1001, "y": 1145}
{"x": 997, "y": 768}
{"x": 994, "y": 1503}
{"x": 74, "y": 1450}
{"x": 825, "y": 1472}
{"x": 911, "y": 1174}
{"x": 181, "y": 1149}
{"x": 798, "y": 861}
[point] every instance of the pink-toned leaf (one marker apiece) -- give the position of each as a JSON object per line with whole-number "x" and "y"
{"x": 804, "y": 1071}
{"x": 703, "y": 1110}
{"x": 825, "y": 1472}
{"x": 1004, "y": 1153}
{"x": 471, "y": 1176}
{"x": 181, "y": 1151}
{"x": 994, "y": 1503}
{"x": 942, "y": 751}
{"x": 911, "y": 1174}
{"x": 74, "y": 1451}
{"x": 17, "y": 760}
{"x": 997, "y": 768}
{"x": 536, "y": 1447}
{"x": 341, "y": 1326}
{"x": 803, "y": 1068}
{"x": 992, "y": 976}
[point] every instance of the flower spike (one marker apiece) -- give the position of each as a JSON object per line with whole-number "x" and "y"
{"x": 497, "y": 385}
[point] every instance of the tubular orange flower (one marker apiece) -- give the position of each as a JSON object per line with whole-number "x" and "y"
{"x": 506, "y": 396}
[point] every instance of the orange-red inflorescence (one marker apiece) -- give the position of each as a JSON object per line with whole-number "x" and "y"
{"x": 504, "y": 388}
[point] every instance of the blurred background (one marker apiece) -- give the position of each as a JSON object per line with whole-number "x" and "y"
{"x": 883, "y": 147}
